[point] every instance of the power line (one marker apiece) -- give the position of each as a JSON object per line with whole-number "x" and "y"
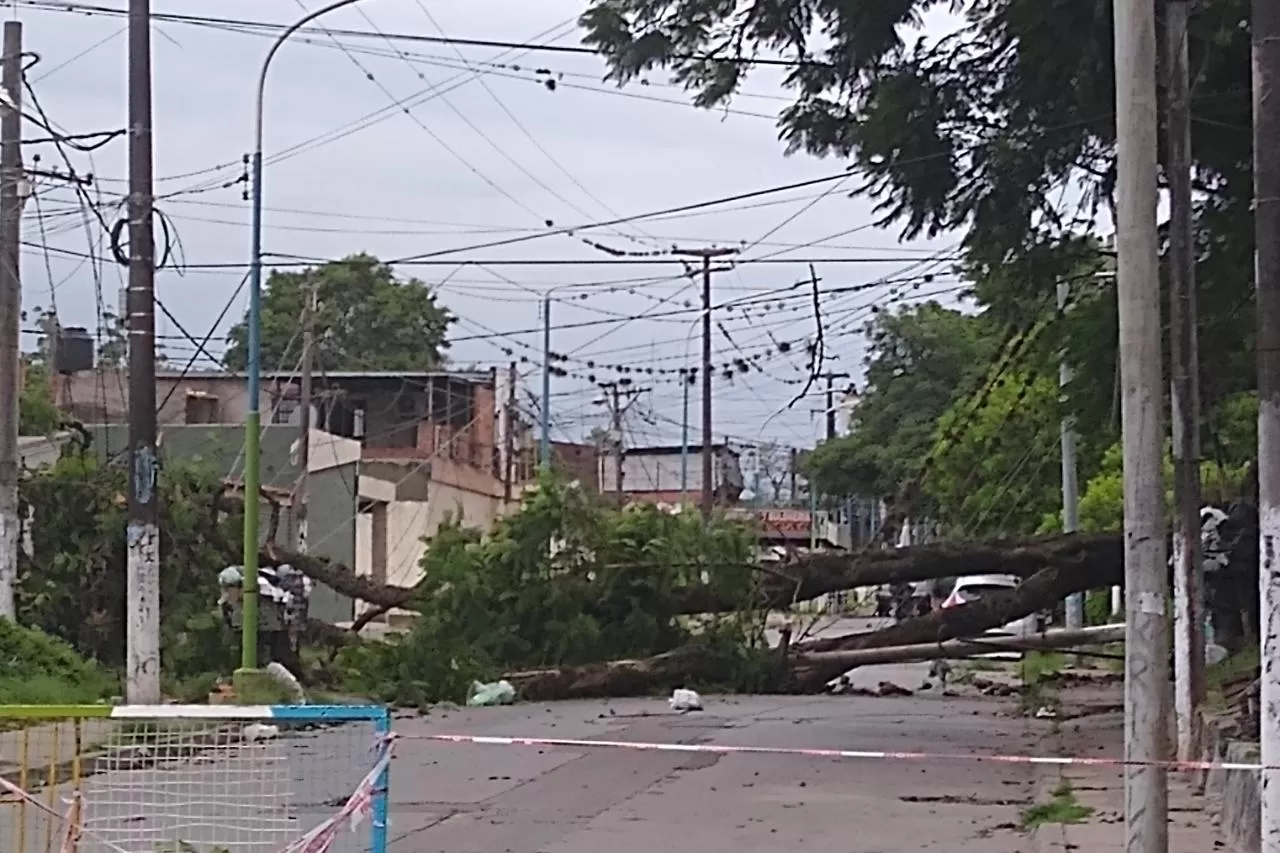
{"x": 243, "y": 24}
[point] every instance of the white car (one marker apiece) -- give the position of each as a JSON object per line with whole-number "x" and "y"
{"x": 974, "y": 587}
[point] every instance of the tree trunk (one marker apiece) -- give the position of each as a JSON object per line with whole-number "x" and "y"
{"x": 688, "y": 666}
{"x": 810, "y": 576}
{"x": 1041, "y": 591}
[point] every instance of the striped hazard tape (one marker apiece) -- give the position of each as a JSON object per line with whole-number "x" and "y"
{"x": 875, "y": 755}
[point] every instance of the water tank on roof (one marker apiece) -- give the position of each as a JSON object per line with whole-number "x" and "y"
{"x": 75, "y": 350}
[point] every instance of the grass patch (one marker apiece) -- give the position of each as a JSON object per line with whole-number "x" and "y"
{"x": 1061, "y": 808}
{"x": 37, "y": 669}
{"x": 1232, "y": 670}
{"x": 1037, "y": 666}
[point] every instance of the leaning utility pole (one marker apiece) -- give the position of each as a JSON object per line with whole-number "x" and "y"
{"x": 142, "y": 632}
{"x": 1184, "y": 393}
{"x": 302, "y": 491}
{"x": 11, "y": 178}
{"x": 708, "y": 480}
{"x": 1142, "y": 434}
{"x": 1266, "y": 223}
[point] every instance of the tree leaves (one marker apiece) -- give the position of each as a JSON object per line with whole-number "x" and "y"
{"x": 921, "y": 360}
{"x": 563, "y": 581}
{"x": 366, "y": 320}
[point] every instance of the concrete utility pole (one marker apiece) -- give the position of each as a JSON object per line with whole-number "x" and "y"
{"x": 1070, "y": 484}
{"x": 302, "y": 491}
{"x": 1184, "y": 393}
{"x": 11, "y": 178}
{"x": 1142, "y": 385}
{"x": 142, "y": 665}
{"x": 1266, "y": 223}
{"x": 708, "y": 480}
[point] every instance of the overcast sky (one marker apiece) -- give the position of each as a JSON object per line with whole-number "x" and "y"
{"x": 494, "y": 157}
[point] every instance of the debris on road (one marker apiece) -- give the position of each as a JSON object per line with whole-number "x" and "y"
{"x": 683, "y": 700}
{"x": 494, "y": 693}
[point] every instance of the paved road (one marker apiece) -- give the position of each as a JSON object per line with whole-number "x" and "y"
{"x": 489, "y": 799}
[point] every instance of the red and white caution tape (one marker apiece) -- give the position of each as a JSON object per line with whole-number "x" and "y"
{"x": 875, "y": 755}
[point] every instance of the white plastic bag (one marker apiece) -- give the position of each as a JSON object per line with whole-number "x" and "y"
{"x": 495, "y": 693}
{"x": 685, "y": 700}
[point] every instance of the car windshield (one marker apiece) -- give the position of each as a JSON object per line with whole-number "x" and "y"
{"x": 972, "y": 592}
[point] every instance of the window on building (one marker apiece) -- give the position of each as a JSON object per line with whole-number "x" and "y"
{"x": 285, "y": 412}
{"x": 201, "y": 408}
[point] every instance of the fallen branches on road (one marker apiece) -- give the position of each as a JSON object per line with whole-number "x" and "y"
{"x": 1039, "y": 592}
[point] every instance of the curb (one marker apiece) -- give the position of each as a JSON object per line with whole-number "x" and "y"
{"x": 1048, "y": 837}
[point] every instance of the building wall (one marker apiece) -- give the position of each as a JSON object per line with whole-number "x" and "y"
{"x": 448, "y": 416}
{"x": 662, "y": 472}
{"x": 102, "y": 396}
{"x": 451, "y": 490}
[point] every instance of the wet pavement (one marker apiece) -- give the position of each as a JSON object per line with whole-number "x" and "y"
{"x": 521, "y": 799}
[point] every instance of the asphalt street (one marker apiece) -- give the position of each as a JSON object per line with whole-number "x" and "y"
{"x": 464, "y": 798}
{"x": 519, "y": 799}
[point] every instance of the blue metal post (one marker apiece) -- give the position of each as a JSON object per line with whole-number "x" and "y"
{"x": 378, "y": 841}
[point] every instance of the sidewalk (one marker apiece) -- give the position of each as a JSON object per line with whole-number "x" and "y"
{"x": 1091, "y": 799}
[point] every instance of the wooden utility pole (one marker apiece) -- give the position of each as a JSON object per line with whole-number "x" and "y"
{"x": 11, "y": 178}
{"x": 831, "y": 401}
{"x": 1142, "y": 433}
{"x": 618, "y": 399}
{"x": 708, "y": 441}
{"x": 1184, "y": 392}
{"x": 1266, "y": 223}
{"x": 302, "y": 491}
{"x": 142, "y": 664}
{"x": 508, "y": 433}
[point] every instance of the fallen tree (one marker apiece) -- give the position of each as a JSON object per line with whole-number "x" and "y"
{"x": 811, "y": 666}
{"x": 1098, "y": 558}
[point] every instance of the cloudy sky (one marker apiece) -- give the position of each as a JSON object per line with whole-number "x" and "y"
{"x": 403, "y": 148}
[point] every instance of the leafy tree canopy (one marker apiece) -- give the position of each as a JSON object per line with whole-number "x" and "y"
{"x": 365, "y": 319}
{"x": 921, "y": 360}
{"x": 1002, "y": 128}
{"x": 999, "y": 474}
{"x": 978, "y": 128}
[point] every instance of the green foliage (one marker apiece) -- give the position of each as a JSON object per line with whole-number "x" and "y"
{"x": 36, "y": 669}
{"x": 921, "y": 360}
{"x": 72, "y": 585}
{"x": 563, "y": 581}
{"x": 365, "y": 319}
{"x": 37, "y": 415}
{"x": 1002, "y": 128}
{"x": 1000, "y": 474}
{"x": 1102, "y": 501}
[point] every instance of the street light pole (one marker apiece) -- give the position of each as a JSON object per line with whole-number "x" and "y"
{"x": 253, "y": 419}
